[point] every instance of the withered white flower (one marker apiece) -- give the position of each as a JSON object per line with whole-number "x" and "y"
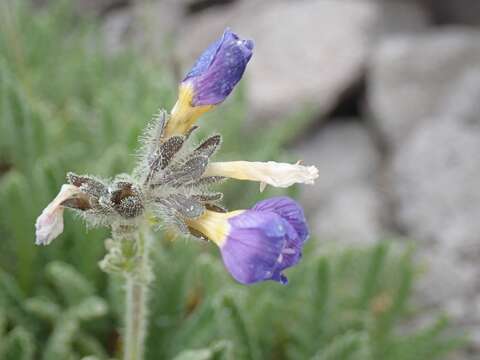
{"x": 50, "y": 222}
{"x": 267, "y": 173}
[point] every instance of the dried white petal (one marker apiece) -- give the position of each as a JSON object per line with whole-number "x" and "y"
{"x": 267, "y": 173}
{"x": 50, "y": 222}
{"x": 263, "y": 186}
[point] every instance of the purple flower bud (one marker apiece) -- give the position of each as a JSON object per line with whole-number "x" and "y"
{"x": 218, "y": 69}
{"x": 264, "y": 241}
{"x": 288, "y": 209}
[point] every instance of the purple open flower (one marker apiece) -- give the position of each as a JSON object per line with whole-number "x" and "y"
{"x": 219, "y": 69}
{"x": 264, "y": 241}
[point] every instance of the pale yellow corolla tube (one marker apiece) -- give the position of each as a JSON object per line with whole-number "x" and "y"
{"x": 267, "y": 173}
{"x": 213, "y": 225}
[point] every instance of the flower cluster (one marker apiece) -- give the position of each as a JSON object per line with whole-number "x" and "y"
{"x": 171, "y": 183}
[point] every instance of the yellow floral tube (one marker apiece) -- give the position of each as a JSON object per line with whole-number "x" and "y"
{"x": 213, "y": 225}
{"x": 183, "y": 114}
{"x": 267, "y": 173}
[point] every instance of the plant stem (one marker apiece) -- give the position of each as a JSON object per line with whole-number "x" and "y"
{"x": 137, "y": 300}
{"x": 135, "y": 322}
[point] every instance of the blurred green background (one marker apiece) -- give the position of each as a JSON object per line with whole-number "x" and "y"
{"x": 65, "y": 105}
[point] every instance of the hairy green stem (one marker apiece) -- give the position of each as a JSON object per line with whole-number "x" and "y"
{"x": 137, "y": 299}
{"x": 136, "y": 320}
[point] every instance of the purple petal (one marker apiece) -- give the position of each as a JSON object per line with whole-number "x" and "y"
{"x": 289, "y": 210}
{"x": 204, "y": 61}
{"x": 260, "y": 245}
{"x": 219, "y": 69}
{"x": 253, "y": 246}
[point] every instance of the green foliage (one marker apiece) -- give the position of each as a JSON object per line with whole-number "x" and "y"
{"x": 219, "y": 350}
{"x": 60, "y": 308}
{"x": 333, "y": 308}
{"x": 66, "y": 105}
{"x": 17, "y": 345}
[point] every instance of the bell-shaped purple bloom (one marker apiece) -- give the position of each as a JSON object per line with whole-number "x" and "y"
{"x": 219, "y": 69}
{"x": 264, "y": 241}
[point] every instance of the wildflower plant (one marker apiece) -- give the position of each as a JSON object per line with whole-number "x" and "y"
{"x": 171, "y": 188}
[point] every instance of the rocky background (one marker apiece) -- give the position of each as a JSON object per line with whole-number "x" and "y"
{"x": 393, "y": 89}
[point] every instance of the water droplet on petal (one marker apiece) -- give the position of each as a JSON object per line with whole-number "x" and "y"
{"x": 288, "y": 251}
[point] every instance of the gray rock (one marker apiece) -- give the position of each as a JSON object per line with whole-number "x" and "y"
{"x": 345, "y": 155}
{"x": 147, "y": 26}
{"x": 115, "y": 28}
{"x": 412, "y": 77}
{"x": 350, "y": 216}
{"x": 446, "y": 283}
{"x": 193, "y": 6}
{"x": 463, "y": 100}
{"x": 307, "y": 52}
{"x": 435, "y": 182}
{"x": 401, "y": 17}
{"x": 344, "y": 205}
{"x": 455, "y": 11}
{"x": 425, "y": 95}
{"x": 98, "y": 7}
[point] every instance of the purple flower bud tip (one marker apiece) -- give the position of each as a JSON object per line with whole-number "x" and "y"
{"x": 219, "y": 69}
{"x": 264, "y": 241}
